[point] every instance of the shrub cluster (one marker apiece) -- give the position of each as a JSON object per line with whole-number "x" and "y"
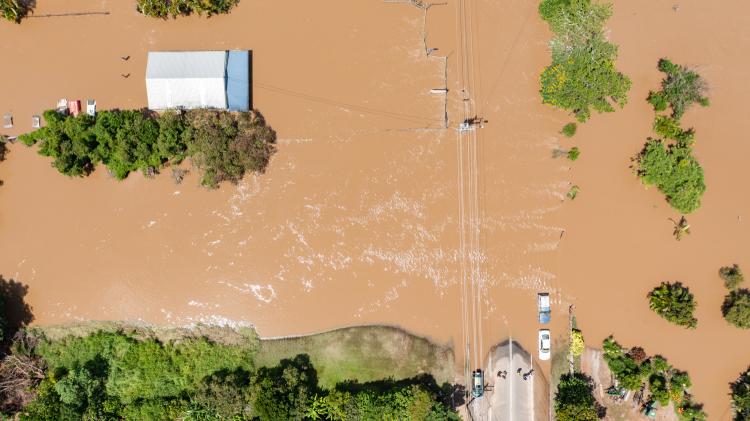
{"x": 224, "y": 145}
{"x": 667, "y": 162}
{"x": 741, "y": 397}
{"x": 582, "y": 75}
{"x": 664, "y": 383}
{"x": 112, "y": 376}
{"x": 173, "y": 8}
{"x": 675, "y": 303}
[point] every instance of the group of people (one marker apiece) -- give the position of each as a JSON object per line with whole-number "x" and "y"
{"x": 503, "y": 373}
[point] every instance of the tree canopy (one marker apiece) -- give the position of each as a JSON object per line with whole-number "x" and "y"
{"x": 736, "y": 308}
{"x": 115, "y": 375}
{"x": 173, "y": 8}
{"x": 740, "y": 390}
{"x": 668, "y": 162}
{"x": 574, "y": 399}
{"x": 224, "y": 145}
{"x": 633, "y": 370}
{"x": 675, "y": 303}
{"x": 582, "y": 75}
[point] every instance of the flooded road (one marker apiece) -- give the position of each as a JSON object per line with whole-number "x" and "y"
{"x": 359, "y": 217}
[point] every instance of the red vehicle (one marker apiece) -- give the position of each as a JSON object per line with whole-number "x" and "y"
{"x": 74, "y": 107}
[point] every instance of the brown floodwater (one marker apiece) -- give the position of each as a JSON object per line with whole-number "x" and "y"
{"x": 371, "y": 211}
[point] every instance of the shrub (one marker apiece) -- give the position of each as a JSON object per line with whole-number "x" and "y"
{"x": 573, "y": 192}
{"x": 173, "y": 8}
{"x": 582, "y": 75}
{"x": 679, "y": 89}
{"x": 732, "y": 276}
{"x": 674, "y": 171}
{"x": 675, "y": 303}
{"x": 577, "y": 345}
{"x": 741, "y": 396}
{"x": 574, "y": 153}
{"x": 574, "y": 400}
{"x": 669, "y": 128}
{"x": 569, "y": 129}
{"x": 736, "y": 308}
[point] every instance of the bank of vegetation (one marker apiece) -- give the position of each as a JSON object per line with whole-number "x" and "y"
{"x": 582, "y": 76}
{"x": 667, "y": 161}
{"x": 173, "y": 8}
{"x": 675, "y": 303}
{"x": 206, "y": 374}
{"x": 222, "y": 145}
{"x": 654, "y": 377}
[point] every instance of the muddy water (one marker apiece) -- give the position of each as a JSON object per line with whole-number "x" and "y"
{"x": 359, "y": 216}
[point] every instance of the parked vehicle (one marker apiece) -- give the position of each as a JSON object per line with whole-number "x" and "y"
{"x": 543, "y": 304}
{"x": 545, "y": 344}
{"x": 477, "y": 383}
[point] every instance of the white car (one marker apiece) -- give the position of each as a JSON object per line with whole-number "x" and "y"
{"x": 545, "y": 344}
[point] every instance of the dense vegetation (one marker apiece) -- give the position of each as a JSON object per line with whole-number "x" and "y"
{"x": 736, "y": 308}
{"x": 224, "y": 145}
{"x": 14, "y": 10}
{"x": 574, "y": 399}
{"x": 166, "y": 8}
{"x": 634, "y": 370}
{"x": 117, "y": 375}
{"x": 582, "y": 75}
{"x": 675, "y": 303}
{"x": 667, "y": 162}
{"x": 741, "y": 397}
{"x": 732, "y": 276}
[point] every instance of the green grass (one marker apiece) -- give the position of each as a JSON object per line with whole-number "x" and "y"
{"x": 364, "y": 354}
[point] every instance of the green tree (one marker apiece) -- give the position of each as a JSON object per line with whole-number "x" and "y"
{"x": 675, "y": 303}
{"x": 674, "y": 171}
{"x": 582, "y": 75}
{"x": 225, "y": 145}
{"x": 736, "y": 308}
{"x": 680, "y": 89}
{"x": 740, "y": 390}
{"x": 574, "y": 400}
{"x": 732, "y": 276}
{"x": 286, "y": 391}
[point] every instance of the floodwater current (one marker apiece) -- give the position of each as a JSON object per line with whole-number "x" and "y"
{"x": 359, "y": 218}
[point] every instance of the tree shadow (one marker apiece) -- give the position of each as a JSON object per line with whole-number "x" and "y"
{"x": 23, "y": 9}
{"x": 15, "y": 312}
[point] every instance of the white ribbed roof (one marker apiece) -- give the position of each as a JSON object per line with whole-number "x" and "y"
{"x": 186, "y": 64}
{"x": 186, "y": 79}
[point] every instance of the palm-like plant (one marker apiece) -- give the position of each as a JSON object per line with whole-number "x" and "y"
{"x": 13, "y": 10}
{"x": 681, "y": 228}
{"x": 675, "y": 303}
